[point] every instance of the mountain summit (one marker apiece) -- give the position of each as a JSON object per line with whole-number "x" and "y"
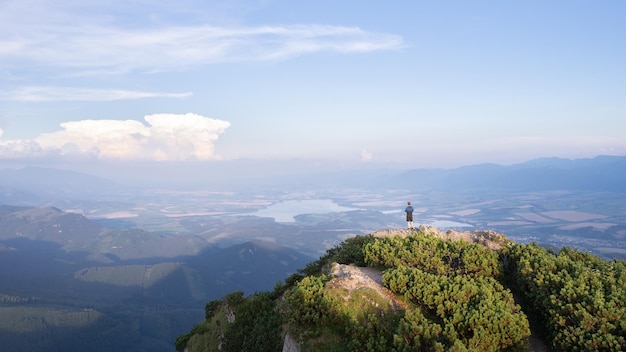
{"x": 427, "y": 290}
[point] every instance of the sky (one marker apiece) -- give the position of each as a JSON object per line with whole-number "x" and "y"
{"x": 410, "y": 83}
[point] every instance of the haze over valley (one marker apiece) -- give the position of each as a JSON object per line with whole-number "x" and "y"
{"x": 552, "y": 201}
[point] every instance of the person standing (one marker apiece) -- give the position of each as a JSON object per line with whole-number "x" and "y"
{"x": 409, "y": 216}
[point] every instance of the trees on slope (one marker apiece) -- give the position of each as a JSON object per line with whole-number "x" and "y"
{"x": 257, "y": 326}
{"x": 581, "y": 298}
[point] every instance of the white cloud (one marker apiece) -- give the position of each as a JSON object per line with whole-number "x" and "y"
{"x": 105, "y": 48}
{"x": 21, "y": 148}
{"x": 42, "y": 94}
{"x": 178, "y": 137}
{"x": 166, "y": 137}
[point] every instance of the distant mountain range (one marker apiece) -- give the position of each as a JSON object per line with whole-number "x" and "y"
{"x": 603, "y": 173}
{"x": 45, "y": 186}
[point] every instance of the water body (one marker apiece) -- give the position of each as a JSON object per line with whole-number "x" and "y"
{"x": 285, "y": 211}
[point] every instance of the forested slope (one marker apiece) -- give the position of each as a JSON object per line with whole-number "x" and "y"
{"x": 439, "y": 294}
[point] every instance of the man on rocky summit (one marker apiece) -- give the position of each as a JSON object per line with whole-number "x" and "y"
{"x": 409, "y": 216}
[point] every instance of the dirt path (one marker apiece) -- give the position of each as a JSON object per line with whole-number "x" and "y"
{"x": 537, "y": 343}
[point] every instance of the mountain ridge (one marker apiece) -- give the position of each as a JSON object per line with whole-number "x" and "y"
{"x": 601, "y": 173}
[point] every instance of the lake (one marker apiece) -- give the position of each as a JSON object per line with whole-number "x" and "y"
{"x": 285, "y": 211}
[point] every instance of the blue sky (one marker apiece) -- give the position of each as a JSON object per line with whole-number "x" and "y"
{"x": 415, "y": 83}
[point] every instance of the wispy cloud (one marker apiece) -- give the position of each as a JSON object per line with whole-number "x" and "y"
{"x": 105, "y": 47}
{"x": 53, "y": 41}
{"x": 43, "y": 94}
{"x": 165, "y": 137}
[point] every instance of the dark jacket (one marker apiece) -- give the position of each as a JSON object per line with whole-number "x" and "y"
{"x": 409, "y": 213}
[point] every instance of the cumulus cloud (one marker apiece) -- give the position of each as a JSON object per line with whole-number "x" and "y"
{"x": 42, "y": 94}
{"x": 164, "y": 137}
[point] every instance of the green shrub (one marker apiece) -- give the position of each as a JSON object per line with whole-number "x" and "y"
{"x": 257, "y": 326}
{"x": 351, "y": 251}
{"x": 477, "y": 313}
{"x": 579, "y": 296}
{"x": 210, "y": 308}
{"x": 308, "y": 308}
{"x": 433, "y": 255}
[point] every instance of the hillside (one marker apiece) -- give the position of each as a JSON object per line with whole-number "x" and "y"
{"x": 428, "y": 290}
{"x": 70, "y": 284}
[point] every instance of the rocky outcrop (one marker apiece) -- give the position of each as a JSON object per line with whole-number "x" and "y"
{"x": 488, "y": 238}
{"x": 355, "y": 277}
{"x": 230, "y": 314}
{"x": 352, "y": 278}
{"x": 290, "y": 345}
